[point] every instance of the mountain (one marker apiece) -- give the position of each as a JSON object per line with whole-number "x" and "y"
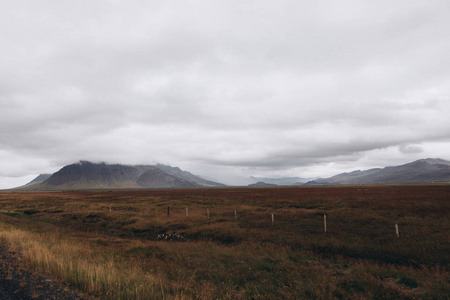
{"x": 281, "y": 181}
{"x": 86, "y": 175}
{"x": 41, "y": 178}
{"x": 423, "y": 170}
{"x": 177, "y": 172}
{"x": 261, "y": 184}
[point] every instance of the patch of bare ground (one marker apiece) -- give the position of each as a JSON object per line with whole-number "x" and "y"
{"x": 18, "y": 283}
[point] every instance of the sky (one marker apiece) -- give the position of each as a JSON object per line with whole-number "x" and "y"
{"x": 223, "y": 89}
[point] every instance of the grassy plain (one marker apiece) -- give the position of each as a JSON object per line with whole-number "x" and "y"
{"x": 106, "y": 242}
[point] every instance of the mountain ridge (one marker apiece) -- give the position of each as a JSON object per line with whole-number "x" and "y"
{"x": 86, "y": 175}
{"x": 422, "y": 170}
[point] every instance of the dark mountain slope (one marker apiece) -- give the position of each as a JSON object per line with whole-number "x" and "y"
{"x": 93, "y": 174}
{"x": 423, "y": 170}
{"x": 87, "y": 175}
{"x": 157, "y": 178}
{"x": 177, "y": 172}
{"x": 41, "y": 178}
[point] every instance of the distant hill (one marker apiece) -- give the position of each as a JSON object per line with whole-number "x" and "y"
{"x": 281, "y": 181}
{"x": 261, "y": 184}
{"x": 86, "y": 175}
{"x": 423, "y": 170}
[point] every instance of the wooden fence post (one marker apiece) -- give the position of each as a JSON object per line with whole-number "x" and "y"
{"x": 273, "y": 219}
{"x": 396, "y": 230}
{"x": 187, "y": 212}
{"x": 325, "y": 222}
{"x": 235, "y": 215}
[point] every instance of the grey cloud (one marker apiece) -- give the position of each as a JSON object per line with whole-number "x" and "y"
{"x": 260, "y": 85}
{"x": 410, "y": 149}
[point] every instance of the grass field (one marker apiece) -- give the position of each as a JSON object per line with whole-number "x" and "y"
{"x": 222, "y": 243}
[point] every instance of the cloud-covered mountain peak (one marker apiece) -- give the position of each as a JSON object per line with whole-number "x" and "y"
{"x": 88, "y": 175}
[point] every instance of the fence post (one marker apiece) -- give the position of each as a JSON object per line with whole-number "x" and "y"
{"x": 187, "y": 211}
{"x": 325, "y": 222}
{"x": 168, "y": 211}
{"x": 235, "y": 215}
{"x": 273, "y": 219}
{"x": 110, "y": 208}
{"x": 396, "y": 230}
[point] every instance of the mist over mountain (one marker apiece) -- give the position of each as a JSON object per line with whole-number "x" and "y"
{"x": 281, "y": 181}
{"x": 86, "y": 175}
{"x": 423, "y": 170}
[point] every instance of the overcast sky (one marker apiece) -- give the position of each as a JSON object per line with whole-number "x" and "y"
{"x": 223, "y": 89}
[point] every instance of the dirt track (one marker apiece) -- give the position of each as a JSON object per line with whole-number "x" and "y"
{"x": 17, "y": 283}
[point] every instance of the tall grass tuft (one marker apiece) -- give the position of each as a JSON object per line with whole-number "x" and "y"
{"x": 81, "y": 266}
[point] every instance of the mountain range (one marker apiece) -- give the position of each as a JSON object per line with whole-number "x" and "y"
{"x": 87, "y": 175}
{"x": 422, "y": 170}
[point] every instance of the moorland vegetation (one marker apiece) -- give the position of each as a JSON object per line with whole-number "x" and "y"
{"x": 223, "y": 243}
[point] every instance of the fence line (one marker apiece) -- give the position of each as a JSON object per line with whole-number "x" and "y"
{"x": 208, "y": 213}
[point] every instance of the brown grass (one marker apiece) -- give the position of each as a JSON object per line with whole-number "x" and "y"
{"x": 73, "y": 237}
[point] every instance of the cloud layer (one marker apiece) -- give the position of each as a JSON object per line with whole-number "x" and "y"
{"x": 224, "y": 89}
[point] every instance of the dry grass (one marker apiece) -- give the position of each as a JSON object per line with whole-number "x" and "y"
{"x": 81, "y": 265}
{"x": 74, "y": 237}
